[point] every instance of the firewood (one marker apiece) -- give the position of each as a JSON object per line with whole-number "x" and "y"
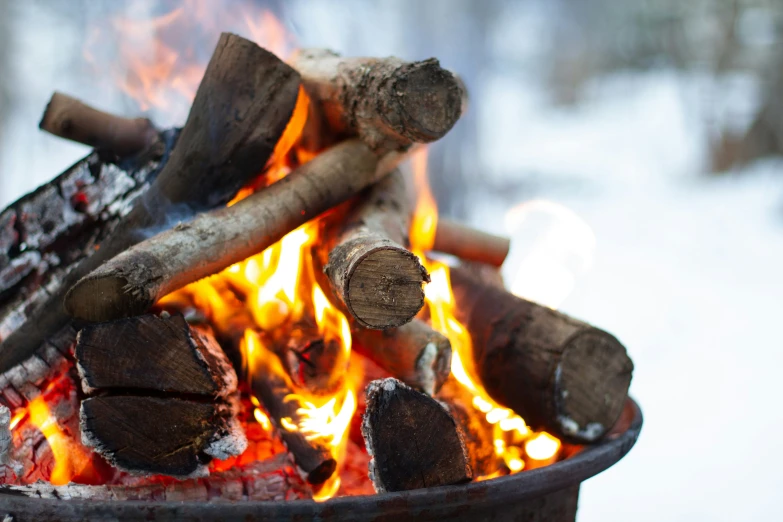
{"x": 369, "y": 269}
{"x": 413, "y": 440}
{"x": 74, "y": 120}
{"x": 163, "y": 396}
{"x": 270, "y": 383}
{"x": 390, "y": 104}
{"x": 414, "y": 353}
{"x": 130, "y": 283}
{"x": 477, "y": 433}
{"x": 314, "y": 363}
{"x": 470, "y": 244}
{"x": 559, "y": 374}
{"x": 246, "y": 98}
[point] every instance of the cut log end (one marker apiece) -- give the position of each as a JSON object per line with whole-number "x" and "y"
{"x": 413, "y": 440}
{"x": 592, "y": 383}
{"x": 382, "y": 288}
{"x": 423, "y": 101}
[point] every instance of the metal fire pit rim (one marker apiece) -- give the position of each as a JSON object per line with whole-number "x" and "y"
{"x": 430, "y": 503}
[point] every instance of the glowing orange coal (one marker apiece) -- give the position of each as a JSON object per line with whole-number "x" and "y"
{"x": 71, "y": 460}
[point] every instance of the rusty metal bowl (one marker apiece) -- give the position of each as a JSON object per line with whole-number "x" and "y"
{"x": 546, "y": 494}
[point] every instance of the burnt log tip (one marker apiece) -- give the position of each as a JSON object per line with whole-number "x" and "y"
{"x": 591, "y": 384}
{"x": 115, "y": 290}
{"x": 423, "y": 101}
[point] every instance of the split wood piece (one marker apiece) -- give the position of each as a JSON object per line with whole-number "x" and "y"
{"x": 74, "y": 120}
{"x": 246, "y": 99}
{"x": 165, "y": 396}
{"x": 369, "y": 268}
{"x": 559, "y": 374}
{"x": 414, "y": 353}
{"x": 477, "y": 432}
{"x": 269, "y": 382}
{"x": 389, "y": 103}
{"x": 413, "y": 440}
{"x": 470, "y": 244}
{"x": 153, "y": 353}
{"x": 130, "y": 283}
{"x": 314, "y": 363}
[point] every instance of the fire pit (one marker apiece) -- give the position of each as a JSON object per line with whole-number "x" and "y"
{"x": 548, "y": 493}
{"x": 233, "y": 318}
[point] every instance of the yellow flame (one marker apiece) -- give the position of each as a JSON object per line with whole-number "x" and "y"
{"x": 262, "y": 419}
{"x": 328, "y": 489}
{"x": 332, "y": 324}
{"x": 510, "y": 429}
{"x": 542, "y": 446}
{"x": 16, "y": 419}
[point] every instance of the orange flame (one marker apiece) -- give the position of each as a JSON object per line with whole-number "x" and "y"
{"x": 510, "y": 430}
{"x": 70, "y": 459}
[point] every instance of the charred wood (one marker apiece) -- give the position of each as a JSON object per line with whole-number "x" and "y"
{"x": 413, "y": 440}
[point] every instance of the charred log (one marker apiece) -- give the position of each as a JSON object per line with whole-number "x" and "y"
{"x": 369, "y": 267}
{"x": 246, "y": 97}
{"x": 559, "y": 374}
{"x": 414, "y": 353}
{"x": 74, "y": 120}
{"x": 131, "y": 282}
{"x": 163, "y": 396}
{"x": 413, "y": 440}
{"x": 390, "y": 104}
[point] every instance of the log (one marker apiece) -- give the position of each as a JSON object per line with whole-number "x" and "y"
{"x": 414, "y": 353}
{"x": 413, "y": 440}
{"x": 470, "y": 244}
{"x": 369, "y": 268}
{"x": 74, "y": 120}
{"x": 559, "y": 374}
{"x": 130, "y": 283}
{"x": 163, "y": 396}
{"x": 270, "y": 383}
{"x": 389, "y": 103}
{"x": 246, "y": 98}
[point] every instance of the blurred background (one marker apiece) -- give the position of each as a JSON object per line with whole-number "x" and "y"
{"x": 631, "y": 149}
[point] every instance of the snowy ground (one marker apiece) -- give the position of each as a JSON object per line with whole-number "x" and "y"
{"x": 685, "y": 268}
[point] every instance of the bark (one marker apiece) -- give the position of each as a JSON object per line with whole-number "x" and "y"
{"x": 413, "y": 440}
{"x": 470, "y": 244}
{"x": 131, "y": 282}
{"x": 163, "y": 396}
{"x": 390, "y": 104}
{"x": 414, "y": 353}
{"x": 246, "y": 99}
{"x": 74, "y": 120}
{"x": 369, "y": 268}
{"x": 559, "y": 374}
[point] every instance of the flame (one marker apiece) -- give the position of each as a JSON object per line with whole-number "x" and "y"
{"x": 510, "y": 430}
{"x": 70, "y": 459}
{"x": 159, "y": 61}
{"x": 561, "y": 248}
{"x": 542, "y": 446}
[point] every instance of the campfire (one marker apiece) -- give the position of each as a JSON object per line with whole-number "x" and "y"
{"x": 258, "y": 306}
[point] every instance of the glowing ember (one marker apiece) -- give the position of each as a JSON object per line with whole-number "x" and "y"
{"x": 70, "y": 459}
